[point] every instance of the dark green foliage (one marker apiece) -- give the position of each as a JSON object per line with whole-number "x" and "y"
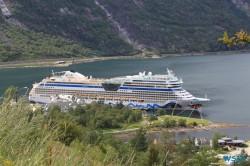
{"x": 81, "y": 21}
{"x": 152, "y": 118}
{"x": 161, "y": 111}
{"x": 42, "y": 140}
{"x": 21, "y": 44}
{"x": 10, "y": 93}
{"x": 182, "y": 122}
{"x": 215, "y": 143}
{"x": 194, "y": 124}
{"x": 119, "y": 105}
{"x": 81, "y": 28}
{"x": 98, "y": 116}
{"x": 92, "y": 137}
{"x": 179, "y": 26}
{"x": 186, "y": 148}
{"x": 78, "y": 111}
{"x": 139, "y": 142}
{"x": 69, "y": 132}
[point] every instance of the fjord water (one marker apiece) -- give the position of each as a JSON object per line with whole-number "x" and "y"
{"x": 224, "y": 79}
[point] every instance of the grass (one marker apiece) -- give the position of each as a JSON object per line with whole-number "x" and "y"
{"x": 125, "y": 127}
{"x": 38, "y": 64}
{"x": 145, "y": 124}
{"x": 136, "y": 125}
{"x": 188, "y": 120}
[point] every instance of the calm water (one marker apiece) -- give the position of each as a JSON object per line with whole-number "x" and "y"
{"x": 242, "y": 133}
{"x": 225, "y": 79}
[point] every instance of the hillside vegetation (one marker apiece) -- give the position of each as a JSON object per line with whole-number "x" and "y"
{"x": 21, "y": 44}
{"x": 178, "y": 26}
{"x": 62, "y": 28}
{"x": 58, "y": 29}
{"x": 32, "y": 137}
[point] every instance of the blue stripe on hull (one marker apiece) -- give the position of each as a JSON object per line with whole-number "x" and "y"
{"x": 71, "y": 85}
{"x": 122, "y": 87}
{"x": 148, "y": 89}
{"x": 172, "y": 104}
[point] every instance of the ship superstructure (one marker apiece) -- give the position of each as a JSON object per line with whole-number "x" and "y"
{"x": 138, "y": 91}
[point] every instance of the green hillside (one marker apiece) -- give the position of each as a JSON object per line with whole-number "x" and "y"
{"x": 82, "y": 21}
{"x": 179, "y": 26}
{"x": 51, "y": 34}
{"x": 20, "y": 44}
{"x": 62, "y": 28}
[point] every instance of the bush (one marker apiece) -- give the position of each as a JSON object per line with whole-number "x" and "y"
{"x": 161, "y": 111}
{"x": 69, "y": 132}
{"x": 235, "y": 137}
{"x": 194, "y": 124}
{"x": 182, "y": 122}
{"x": 168, "y": 122}
{"x": 152, "y": 118}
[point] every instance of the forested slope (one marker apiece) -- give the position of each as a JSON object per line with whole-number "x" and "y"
{"x": 63, "y": 28}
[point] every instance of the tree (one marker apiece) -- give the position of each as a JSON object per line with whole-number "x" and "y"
{"x": 215, "y": 143}
{"x": 139, "y": 142}
{"x": 79, "y": 110}
{"x": 10, "y": 93}
{"x": 54, "y": 112}
{"x": 161, "y": 111}
{"x": 119, "y": 105}
{"x": 241, "y": 37}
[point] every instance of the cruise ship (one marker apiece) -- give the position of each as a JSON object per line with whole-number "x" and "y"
{"x": 143, "y": 90}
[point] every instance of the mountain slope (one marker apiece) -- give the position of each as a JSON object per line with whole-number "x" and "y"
{"x": 70, "y": 28}
{"x": 82, "y": 21}
{"x": 180, "y": 25}
{"x": 41, "y": 29}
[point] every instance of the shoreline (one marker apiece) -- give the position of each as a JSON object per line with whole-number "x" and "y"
{"x": 151, "y": 130}
{"x": 213, "y": 126}
{"x": 71, "y": 61}
{"x": 156, "y": 132}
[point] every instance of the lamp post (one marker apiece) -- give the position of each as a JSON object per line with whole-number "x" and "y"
{"x": 19, "y": 90}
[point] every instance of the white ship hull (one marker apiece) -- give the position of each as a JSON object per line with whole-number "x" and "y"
{"x": 138, "y": 91}
{"x": 187, "y": 105}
